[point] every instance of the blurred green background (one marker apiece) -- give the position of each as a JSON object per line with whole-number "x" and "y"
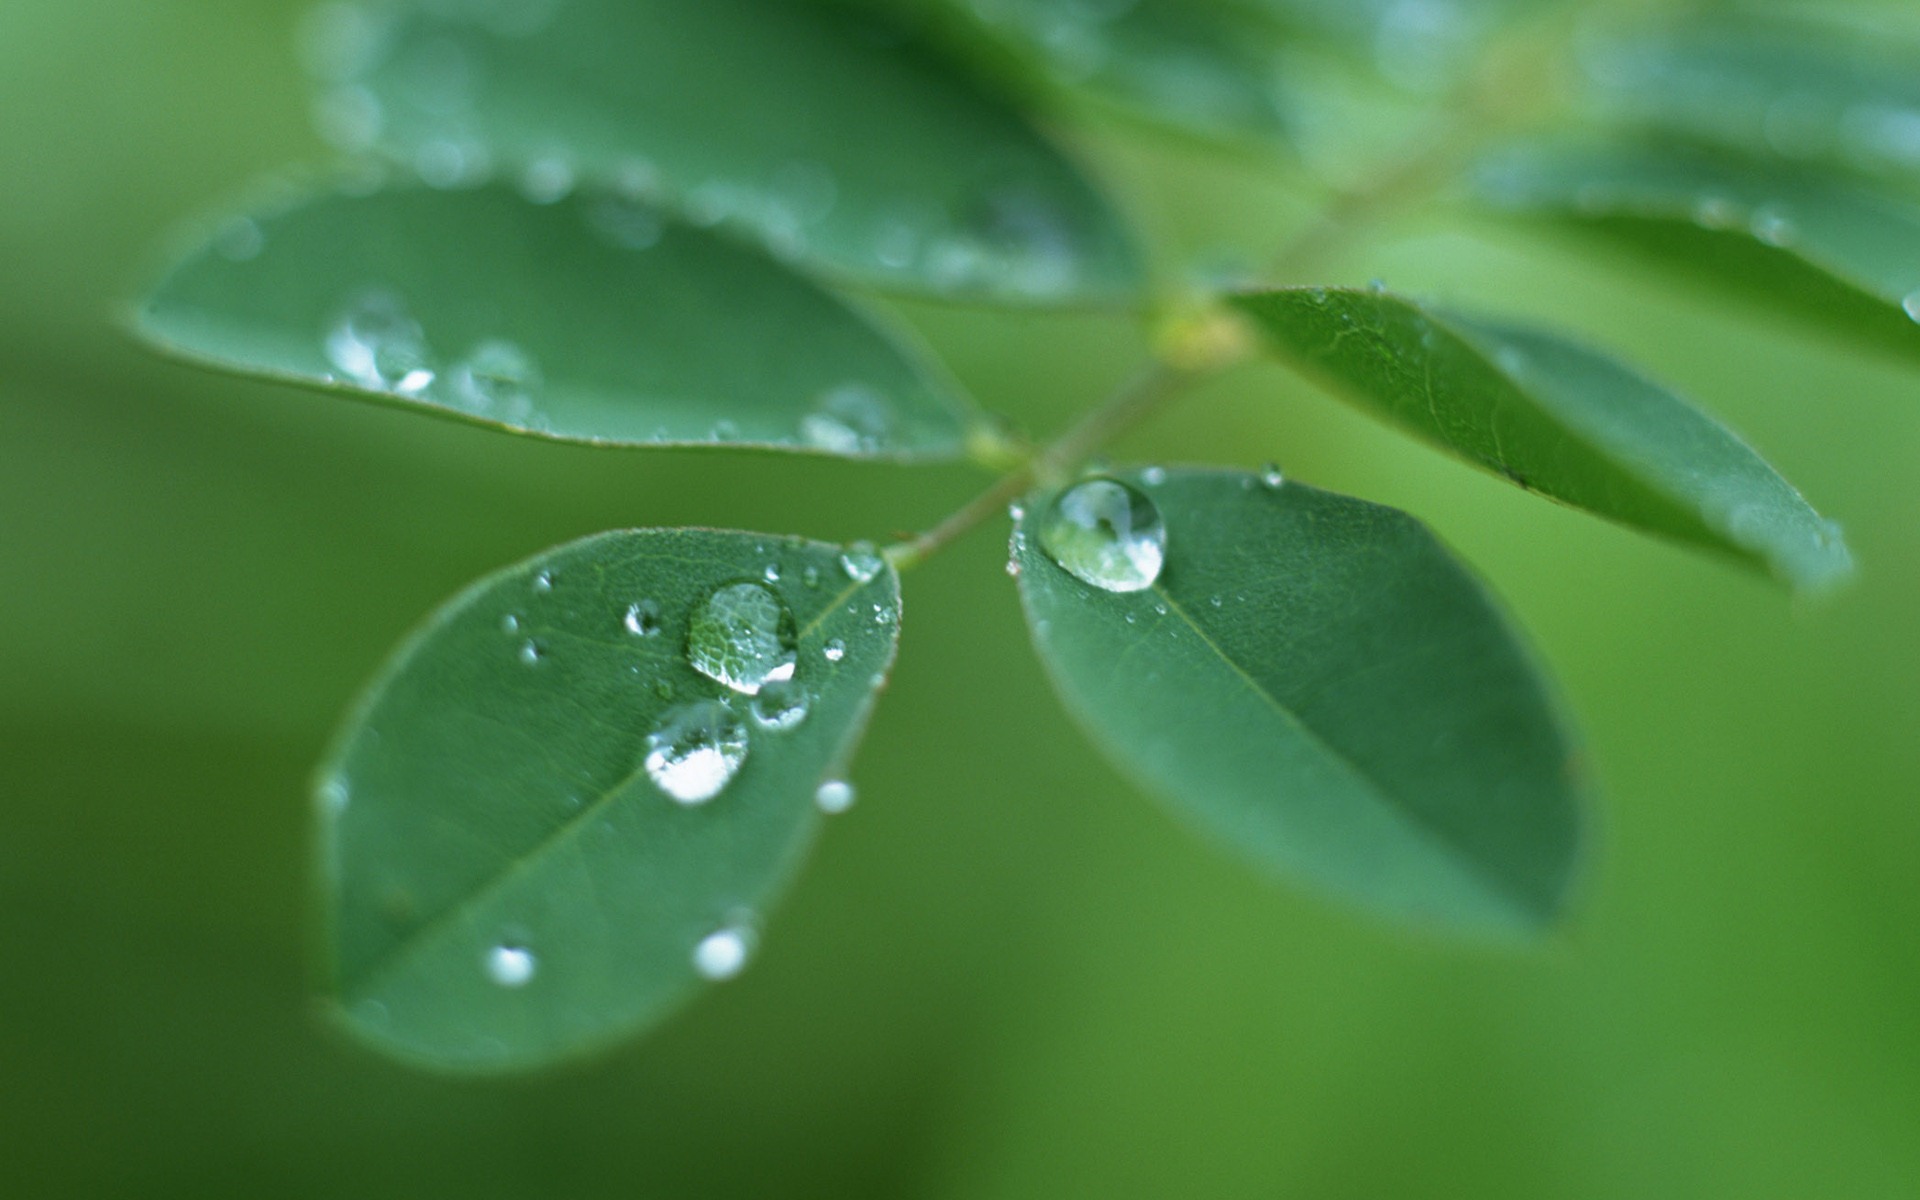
{"x": 1005, "y": 974}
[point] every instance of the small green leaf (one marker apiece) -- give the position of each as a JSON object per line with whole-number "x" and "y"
{"x": 1795, "y": 91}
{"x": 1826, "y": 252}
{"x": 1191, "y": 66}
{"x": 820, "y": 129}
{"x": 551, "y": 817}
{"x": 592, "y": 319}
{"x": 1316, "y": 683}
{"x": 1557, "y": 418}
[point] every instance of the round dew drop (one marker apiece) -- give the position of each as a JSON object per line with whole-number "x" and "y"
{"x": 695, "y": 751}
{"x": 780, "y": 706}
{"x": 1106, "y": 534}
{"x": 511, "y": 966}
{"x": 861, "y": 563}
{"x": 834, "y": 650}
{"x": 642, "y": 619}
{"x": 743, "y": 636}
{"x": 723, "y": 953}
{"x": 834, "y": 796}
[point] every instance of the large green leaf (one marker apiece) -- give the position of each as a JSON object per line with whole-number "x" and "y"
{"x": 829, "y": 134}
{"x": 509, "y": 876}
{"x": 1799, "y": 92}
{"x": 1190, "y": 64}
{"x": 1826, "y": 252}
{"x": 1554, "y": 417}
{"x": 1314, "y": 681}
{"x": 591, "y": 319}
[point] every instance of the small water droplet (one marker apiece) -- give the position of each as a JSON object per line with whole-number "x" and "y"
{"x": 695, "y": 751}
{"x": 511, "y": 966}
{"x": 1271, "y": 476}
{"x": 642, "y": 618}
{"x": 530, "y": 652}
{"x": 547, "y": 179}
{"x": 334, "y": 795}
{"x": 1017, "y": 511}
{"x": 810, "y": 576}
{"x": 724, "y": 953}
{"x": 1216, "y": 601}
{"x": 834, "y": 650}
{"x": 510, "y": 624}
{"x": 849, "y": 419}
{"x": 861, "y": 562}
{"x": 772, "y": 573}
{"x": 497, "y": 378}
{"x": 1106, "y": 534}
{"x": 1153, "y": 476}
{"x": 781, "y": 706}
{"x": 543, "y": 582}
{"x": 1911, "y": 305}
{"x": 742, "y": 636}
{"x": 834, "y": 796}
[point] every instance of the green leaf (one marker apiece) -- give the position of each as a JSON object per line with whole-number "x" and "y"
{"x": 830, "y": 134}
{"x": 1831, "y": 254}
{"x": 591, "y": 319}
{"x": 1795, "y": 91}
{"x": 1557, "y": 418}
{"x": 1190, "y": 65}
{"x": 1422, "y": 44}
{"x": 507, "y": 883}
{"x": 1316, "y": 683}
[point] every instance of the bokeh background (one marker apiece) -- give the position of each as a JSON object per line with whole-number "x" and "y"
{"x": 1005, "y": 974}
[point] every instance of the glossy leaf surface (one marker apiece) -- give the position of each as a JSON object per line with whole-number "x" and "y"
{"x": 542, "y": 810}
{"x": 1825, "y": 252}
{"x": 1555, "y": 417}
{"x": 1313, "y": 681}
{"x": 591, "y": 319}
{"x": 833, "y": 136}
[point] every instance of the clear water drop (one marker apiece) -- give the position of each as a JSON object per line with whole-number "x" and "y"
{"x": 695, "y": 751}
{"x": 810, "y": 576}
{"x": 849, "y": 419}
{"x": 834, "y": 650}
{"x": 377, "y": 344}
{"x": 772, "y": 573}
{"x": 511, "y": 966}
{"x": 724, "y": 953}
{"x": 742, "y": 636}
{"x": 334, "y": 795}
{"x": 547, "y": 180}
{"x": 781, "y": 706}
{"x": 642, "y": 618}
{"x": 834, "y": 796}
{"x": 498, "y": 379}
{"x": 510, "y": 624}
{"x": 543, "y": 582}
{"x": 530, "y": 652}
{"x": 861, "y": 562}
{"x": 1271, "y": 476}
{"x": 1911, "y": 304}
{"x": 1106, "y": 534}
{"x": 1153, "y": 476}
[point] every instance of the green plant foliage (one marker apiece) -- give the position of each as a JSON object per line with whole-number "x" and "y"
{"x": 827, "y": 133}
{"x": 1315, "y": 682}
{"x": 550, "y": 800}
{"x": 1192, "y": 66}
{"x": 592, "y": 319}
{"x": 1824, "y": 251}
{"x": 1554, "y": 417}
{"x": 1797, "y": 92}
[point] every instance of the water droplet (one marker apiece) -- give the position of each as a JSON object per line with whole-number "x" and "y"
{"x": 642, "y": 618}
{"x": 498, "y": 379}
{"x": 334, "y": 795}
{"x": 834, "y": 796}
{"x": 378, "y": 345}
{"x": 724, "y": 953}
{"x": 1153, "y": 476}
{"x": 530, "y": 652}
{"x": 1106, "y": 534}
{"x": 781, "y": 706}
{"x": 543, "y": 582}
{"x": 695, "y": 751}
{"x": 511, "y": 966}
{"x": 772, "y": 573}
{"x": 849, "y": 419}
{"x": 743, "y": 637}
{"x": 1774, "y": 226}
{"x": 1271, "y": 476}
{"x": 1216, "y": 601}
{"x": 861, "y": 563}
{"x": 1017, "y": 511}
{"x": 510, "y": 624}
{"x": 810, "y": 576}
{"x": 1912, "y": 304}
{"x": 834, "y": 650}
{"x": 547, "y": 179}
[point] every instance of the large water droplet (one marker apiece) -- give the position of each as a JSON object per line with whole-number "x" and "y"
{"x": 834, "y": 796}
{"x": 1107, "y": 534}
{"x": 849, "y": 419}
{"x": 724, "y": 953}
{"x": 378, "y": 345}
{"x": 696, "y": 750}
{"x": 742, "y": 637}
{"x": 781, "y": 706}
{"x": 834, "y": 650}
{"x": 511, "y": 966}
